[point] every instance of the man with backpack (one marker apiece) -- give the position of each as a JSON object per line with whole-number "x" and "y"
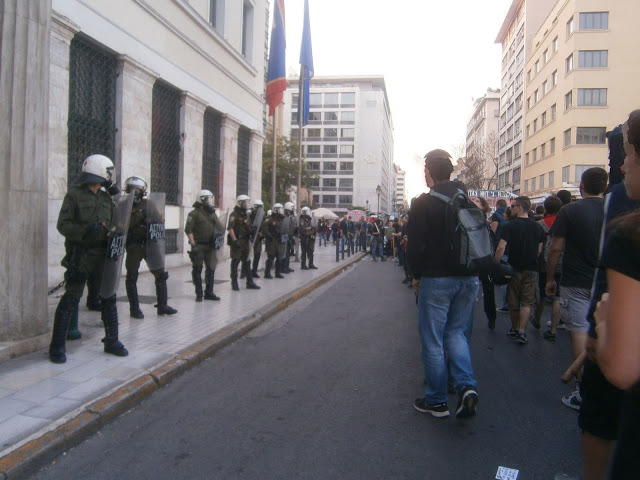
{"x": 446, "y": 292}
{"x": 525, "y": 239}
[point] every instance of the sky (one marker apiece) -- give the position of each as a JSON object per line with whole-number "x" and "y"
{"x": 436, "y": 57}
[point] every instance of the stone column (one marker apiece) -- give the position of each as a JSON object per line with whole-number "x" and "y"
{"x": 62, "y": 32}
{"x": 229, "y": 164}
{"x": 24, "y": 113}
{"x": 255, "y": 165}
{"x": 134, "y": 98}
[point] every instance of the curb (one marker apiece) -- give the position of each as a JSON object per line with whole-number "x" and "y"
{"x": 95, "y": 415}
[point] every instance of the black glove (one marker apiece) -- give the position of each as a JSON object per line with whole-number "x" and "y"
{"x": 96, "y": 228}
{"x": 238, "y": 244}
{"x": 113, "y": 190}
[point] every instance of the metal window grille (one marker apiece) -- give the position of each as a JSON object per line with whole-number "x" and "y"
{"x": 171, "y": 240}
{"x": 165, "y": 141}
{"x": 92, "y": 100}
{"x": 211, "y": 153}
{"x": 242, "y": 179}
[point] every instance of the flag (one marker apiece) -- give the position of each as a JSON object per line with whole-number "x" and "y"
{"x": 306, "y": 67}
{"x": 276, "y": 75}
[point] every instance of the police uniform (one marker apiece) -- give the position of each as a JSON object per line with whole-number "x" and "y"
{"x": 82, "y": 221}
{"x": 272, "y": 231}
{"x": 257, "y": 247}
{"x": 204, "y": 225}
{"x": 136, "y": 252}
{"x": 307, "y": 241}
{"x": 293, "y": 225}
{"x": 239, "y": 223}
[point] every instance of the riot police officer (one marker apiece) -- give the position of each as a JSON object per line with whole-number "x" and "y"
{"x": 257, "y": 244}
{"x": 238, "y": 239}
{"x": 136, "y": 252}
{"x": 83, "y": 221}
{"x": 205, "y": 233}
{"x": 292, "y": 230}
{"x": 307, "y": 231}
{"x": 272, "y": 231}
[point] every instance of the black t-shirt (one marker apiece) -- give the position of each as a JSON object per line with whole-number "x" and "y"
{"x": 580, "y": 224}
{"x": 523, "y": 235}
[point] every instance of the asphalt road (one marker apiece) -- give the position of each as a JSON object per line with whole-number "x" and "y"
{"x": 325, "y": 391}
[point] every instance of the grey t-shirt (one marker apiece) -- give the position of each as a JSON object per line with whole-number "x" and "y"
{"x": 580, "y": 224}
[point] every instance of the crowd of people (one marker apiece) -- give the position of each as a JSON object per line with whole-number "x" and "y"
{"x": 580, "y": 256}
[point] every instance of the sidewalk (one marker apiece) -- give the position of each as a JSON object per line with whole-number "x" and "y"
{"x": 45, "y": 408}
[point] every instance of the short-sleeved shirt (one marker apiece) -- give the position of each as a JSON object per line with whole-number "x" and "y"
{"x": 523, "y": 235}
{"x": 622, "y": 255}
{"x": 580, "y": 224}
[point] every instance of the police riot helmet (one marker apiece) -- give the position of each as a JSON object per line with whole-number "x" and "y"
{"x": 269, "y": 212}
{"x": 137, "y": 186}
{"x": 98, "y": 169}
{"x": 278, "y": 208}
{"x": 205, "y": 197}
{"x": 305, "y": 211}
{"x": 288, "y": 206}
{"x": 243, "y": 201}
{"x": 258, "y": 203}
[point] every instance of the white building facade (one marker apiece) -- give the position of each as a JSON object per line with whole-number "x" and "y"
{"x": 482, "y": 137}
{"x": 172, "y": 91}
{"x": 348, "y": 142}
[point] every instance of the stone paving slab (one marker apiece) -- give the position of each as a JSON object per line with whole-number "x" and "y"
{"x": 46, "y": 408}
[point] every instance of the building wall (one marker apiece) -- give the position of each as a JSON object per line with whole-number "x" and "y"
{"x": 482, "y": 135}
{"x": 621, "y": 94}
{"x": 170, "y": 41}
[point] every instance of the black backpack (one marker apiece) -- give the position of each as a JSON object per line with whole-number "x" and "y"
{"x": 471, "y": 233}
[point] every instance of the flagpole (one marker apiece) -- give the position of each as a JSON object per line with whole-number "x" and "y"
{"x": 301, "y": 108}
{"x": 273, "y": 168}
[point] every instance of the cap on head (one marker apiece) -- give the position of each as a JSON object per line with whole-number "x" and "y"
{"x": 97, "y": 169}
{"x": 439, "y": 164}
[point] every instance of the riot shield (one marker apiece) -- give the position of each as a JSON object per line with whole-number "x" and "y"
{"x": 255, "y": 229}
{"x": 220, "y": 231}
{"x": 115, "y": 250}
{"x": 284, "y": 238}
{"x": 155, "y": 244}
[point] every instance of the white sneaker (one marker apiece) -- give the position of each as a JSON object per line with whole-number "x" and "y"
{"x": 561, "y": 325}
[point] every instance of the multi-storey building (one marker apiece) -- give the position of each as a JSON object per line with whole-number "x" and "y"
{"x": 401, "y": 204}
{"x": 348, "y": 142}
{"x": 522, "y": 20}
{"x": 482, "y": 140}
{"x": 578, "y": 86}
{"x": 172, "y": 91}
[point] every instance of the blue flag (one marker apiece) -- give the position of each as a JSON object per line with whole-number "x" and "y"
{"x": 306, "y": 67}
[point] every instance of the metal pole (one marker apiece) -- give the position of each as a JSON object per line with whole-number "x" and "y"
{"x": 273, "y": 167}
{"x": 300, "y": 120}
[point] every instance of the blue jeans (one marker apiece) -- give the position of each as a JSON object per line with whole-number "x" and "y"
{"x": 376, "y": 247}
{"x": 445, "y": 313}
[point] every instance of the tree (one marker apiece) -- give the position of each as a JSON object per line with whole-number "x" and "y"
{"x": 286, "y": 170}
{"x": 480, "y": 165}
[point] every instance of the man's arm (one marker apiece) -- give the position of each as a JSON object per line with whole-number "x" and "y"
{"x": 494, "y": 226}
{"x": 502, "y": 244}
{"x": 555, "y": 250}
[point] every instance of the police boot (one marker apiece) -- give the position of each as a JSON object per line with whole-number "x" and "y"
{"x": 267, "y": 268}
{"x": 208, "y": 278}
{"x": 254, "y": 264}
{"x": 279, "y": 268}
{"x": 234, "y": 275}
{"x": 110, "y": 320}
{"x": 61, "y": 320}
{"x": 250, "y": 284}
{"x": 161, "y": 293}
{"x": 197, "y": 282}
{"x": 132, "y": 295}
{"x": 311, "y": 265}
{"x": 93, "y": 294}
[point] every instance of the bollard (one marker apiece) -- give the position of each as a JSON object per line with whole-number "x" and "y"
{"x": 73, "y": 333}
